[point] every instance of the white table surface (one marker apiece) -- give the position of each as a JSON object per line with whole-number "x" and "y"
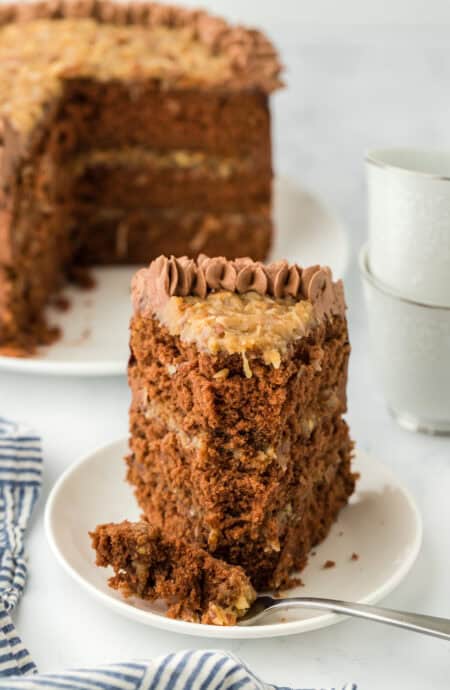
{"x": 350, "y": 88}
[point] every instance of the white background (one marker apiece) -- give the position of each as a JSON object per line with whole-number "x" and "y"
{"x": 349, "y": 87}
{"x": 267, "y": 12}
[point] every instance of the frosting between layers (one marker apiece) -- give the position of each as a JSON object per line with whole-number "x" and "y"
{"x": 239, "y": 324}
{"x": 134, "y": 157}
{"x": 167, "y": 277}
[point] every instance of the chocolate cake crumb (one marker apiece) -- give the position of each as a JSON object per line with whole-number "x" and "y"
{"x": 328, "y": 564}
{"x": 354, "y": 557}
{"x": 288, "y": 584}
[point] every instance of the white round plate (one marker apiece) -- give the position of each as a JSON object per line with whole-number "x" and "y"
{"x": 94, "y": 330}
{"x": 381, "y": 525}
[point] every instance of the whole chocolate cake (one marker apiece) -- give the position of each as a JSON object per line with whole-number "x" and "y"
{"x": 238, "y": 374}
{"x": 126, "y": 130}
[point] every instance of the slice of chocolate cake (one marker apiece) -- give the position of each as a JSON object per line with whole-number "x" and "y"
{"x": 126, "y": 130}
{"x": 150, "y": 565}
{"x": 238, "y": 374}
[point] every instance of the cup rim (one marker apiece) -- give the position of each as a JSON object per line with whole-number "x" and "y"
{"x": 363, "y": 261}
{"x": 372, "y": 157}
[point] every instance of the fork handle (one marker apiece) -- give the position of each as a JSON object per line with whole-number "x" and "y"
{"x": 428, "y": 625}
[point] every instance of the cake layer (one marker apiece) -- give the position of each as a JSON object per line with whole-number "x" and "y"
{"x": 135, "y": 113}
{"x": 148, "y": 564}
{"x": 213, "y": 392}
{"x": 193, "y": 180}
{"x": 90, "y": 115}
{"x": 115, "y": 236}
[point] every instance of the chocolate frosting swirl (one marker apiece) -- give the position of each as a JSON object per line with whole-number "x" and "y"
{"x": 166, "y": 276}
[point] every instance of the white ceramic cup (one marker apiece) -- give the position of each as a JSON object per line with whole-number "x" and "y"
{"x": 409, "y": 222}
{"x": 410, "y": 344}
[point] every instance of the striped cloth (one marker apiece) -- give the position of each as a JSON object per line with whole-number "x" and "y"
{"x": 191, "y": 670}
{"x": 20, "y": 483}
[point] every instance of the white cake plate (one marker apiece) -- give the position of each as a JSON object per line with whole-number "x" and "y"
{"x": 95, "y": 328}
{"x": 381, "y": 525}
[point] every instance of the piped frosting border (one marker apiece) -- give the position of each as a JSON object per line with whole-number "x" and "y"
{"x": 167, "y": 277}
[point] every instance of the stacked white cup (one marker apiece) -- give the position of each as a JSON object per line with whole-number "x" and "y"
{"x": 406, "y": 273}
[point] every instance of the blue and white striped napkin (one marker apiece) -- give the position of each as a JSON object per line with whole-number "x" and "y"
{"x": 191, "y": 670}
{"x": 20, "y": 483}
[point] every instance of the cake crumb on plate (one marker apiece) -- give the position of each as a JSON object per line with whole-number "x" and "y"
{"x": 328, "y": 564}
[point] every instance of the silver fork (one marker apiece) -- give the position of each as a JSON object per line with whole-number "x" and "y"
{"x": 428, "y": 625}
